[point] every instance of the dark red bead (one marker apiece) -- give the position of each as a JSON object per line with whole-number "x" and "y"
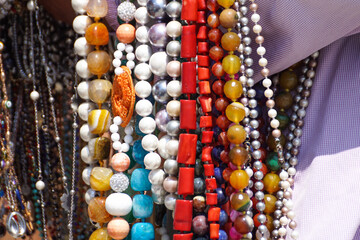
{"x": 202, "y": 4}
{"x": 201, "y": 18}
{"x": 188, "y": 41}
{"x": 188, "y": 114}
{"x": 206, "y": 154}
{"x": 218, "y": 87}
{"x": 203, "y": 47}
{"x": 188, "y": 77}
{"x": 210, "y": 184}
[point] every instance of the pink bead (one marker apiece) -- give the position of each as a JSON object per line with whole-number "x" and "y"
{"x": 234, "y": 234}
{"x": 120, "y": 162}
{"x": 234, "y": 214}
{"x": 118, "y": 228}
{"x": 232, "y": 166}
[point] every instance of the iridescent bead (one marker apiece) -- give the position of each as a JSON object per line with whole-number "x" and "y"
{"x": 228, "y": 17}
{"x": 100, "y": 90}
{"x": 225, "y": 3}
{"x": 233, "y": 89}
{"x": 235, "y": 112}
{"x": 236, "y": 134}
{"x": 97, "y": 8}
{"x": 239, "y": 179}
{"x": 230, "y": 41}
{"x": 238, "y": 156}
{"x": 271, "y": 182}
{"x": 231, "y": 64}
{"x": 269, "y": 201}
{"x": 97, "y": 34}
{"x": 100, "y": 178}
{"x": 244, "y": 224}
{"x": 99, "y": 121}
{"x": 97, "y": 211}
{"x": 240, "y": 202}
{"x": 100, "y": 234}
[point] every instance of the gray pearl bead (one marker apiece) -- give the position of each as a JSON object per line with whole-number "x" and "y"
{"x": 252, "y": 103}
{"x": 310, "y": 74}
{"x": 277, "y": 214}
{"x": 156, "y": 8}
{"x": 295, "y": 107}
{"x": 249, "y": 213}
{"x": 259, "y": 195}
{"x": 278, "y": 204}
{"x": 162, "y": 118}
{"x": 254, "y": 124}
{"x": 250, "y": 82}
{"x": 256, "y": 144}
{"x": 290, "y": 136}
{"x": 288, "y": 146}
{"x": 315, "y": 55}
{"x": 173, "y": 48}
{"x": 260, "y": 206}
{"x": 257, "y": 165}
{"x": 157, "y": 35}
{"x": 293, "y": 161}
{"x": 258, "y": 175}
{"x": 250, "y": 184}
{"x": 262, "y": 229}
{"x": 249, "y": 72}
{"x": 276, "y": 223}
{"x": 262, "y": 218}
{"x": 248, "y": 62}
{"x": 296, "y": 142}
{"x": 246, "y": 121}
{"x": 171, "y": 166}
{"x": 244, "y": 10}
{"x": 301, "y": 113}
{"x": 285, "y": 165}
{"x": 304, "y": 103}
{"x": 298, "y": 132}
{"x": 308, "y": 83}
{"x": 159, "y": 92}
{"x": 297, "y": 98}
{"x": 299, "y": 88}
{"x": 304, "y": 69}
{"x": 251, "y": 93}
{"x": 255, "y": 134}
{"x": 173, "y": 128}
{"x": 254, "y": 113}
{"x": 292, "y": 126}
{"x": 244, "y": 21}
{"x": 275, "y": 232}
{"x": 256, "y": 154}
{"x": 280, "y": 194}
{"x": 287, "y": 156}
{"x": 259, "y": 186}
{"x": 173, "y": 9}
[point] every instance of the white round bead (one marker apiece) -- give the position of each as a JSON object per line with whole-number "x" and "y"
{"x": 125, "y": 147}
{"x": 172, "y": 147}
{"x": 30, "y": 5}
{"x": 129, "y": 48}
{"x": 283, "y": 175}
{"x": 173, "y": 69}
{"x": 158, "y": 62}
{"x": 261, "y": 50}
{"x": 114, "y": 128}
{"x": 282, "y": 231}
{"x": 116, "y": 62}
{"x": 141, "y": 15}
{"x": 272, "y": 113}
{"x": 90, "y": 194}
{"x": 82, "y": 48}
{"x": 79, "y": 5}
{"x": 173, "y": 88}
{"x": 285, "y": 184}
{"x": 128, "y": 139}
{"x": 86, "y": 155}
{"x": 118, "y": 54}
{"x": 173, "y": 29}
{"x": 291, "y": 214}
{"x": 117, "y": 120}
{"x": 118, "y": 71}
{"x": 289, "y": 203}
{"x": 40, "y": 185}
{"x": 84, "y": 109}
{"x": 86, "y": 175}
{"x": 295, "y": 234}
{"x": 130, "y": 64}
{"x": 113, "y": 207}
{"x": 147, "y": 125}
{"x": 117, "y": 145}
{"x": 85, "y": 133}
{"x": 142, "y": 2}
{"x": 152, "y": 160}
{"x": 275, "y": 123}
{"x": 83, "y": 90}
{"x": 34, "y": 95}
{"x": 268, "y": 93}
{"x": 129, "y": 130}
{"x": 150, "y": 142}
{"x": 263, "y": 62}
{"x": 142, "y": 71}
{"x": 173, "y": 108}
{"x": 291, "y": 171}
{"x": 80, "y": 23}
{"x": 284, "y": 221}
{"x": 115, "y": 137}
{"x": 156, "y": 176}
{"x": 255, "y": 17}
{"x": 82, "y": 69}
{"x": 144, "y": 107}
{"x": 130, "y": 56}
{"x": 266, "y": 83}
{"x": 249, "y": 171}
{"x": 257, "y": 28}
{"x": 162, "y": 146}
{"x": 142, "y": 34}
{"x": 143, "y": 53}
{"x": 142, "y": 89}
{"x": 121, "y": 47}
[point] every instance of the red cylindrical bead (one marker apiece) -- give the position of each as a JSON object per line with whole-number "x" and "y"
{"x": 187, "y": 114}
{"x": 187, "y": 149}
{"x": 206, "y": 154}
{"x": 204, "y": 87}
{"x": 207, "y": 136}
{"x": 206, "y": 103}
{"x": 188, "y": 41}
{"x": 189, "y": 10}
{"x": 203, "y": 73}
{"x": 210, "y": 184}
{"x": 188, "y": 77}
{"x": 211, "y": 198}
{"x": 214, "y": 230}
{"x": 214, "y": 214}
{"x": 186, "y": 182}
{"x": 203, "y": 61}
{"x": 202, "y": 4}
{"x": 206, "y": 122}
{"x": 183, "y": 215}
{"x": 183, "y": 236}
{"x": 203, "y": 47}
{"x": 201, "y": 17}
{"x": 209, "y": 170}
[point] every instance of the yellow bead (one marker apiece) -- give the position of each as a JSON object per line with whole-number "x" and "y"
{"x": 235, "y": 112}
{"x": 239, "y": 179}
{"x": 99, "y": 121}
{"x": 231, "y": 64}
{"x": 271, "y": 182}
{"x": 100, "y": 234}
{"x": 100, "y": 178}
{"x": 236, "y": 134}
{"x": 233, "y": 89}
{"x": 269, "y": 201}
{"x": 225, "y": 3}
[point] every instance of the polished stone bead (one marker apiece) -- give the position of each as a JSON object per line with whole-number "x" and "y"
{"x": 100, "y": 178}
{"x": 97, "y": 8}
{"x": 288, "y": 80}
{"x": 99, "y": 148}
{"x": 240, "y": 202}
{"x": 213, "y": 20}
{"x": 272, "y": 161}
{"x": 97, "y": 211}
{"x": 228, "y": 17}
{"x": 221, "y": 196}
{"x": 200, "y": 225}
{"x": 97, "y": 34}
{"x": 143, "y": 231}
{"x": 139, "y": 180}
{"x": 125, "y": 33}
{"x": 284, "y": 100}
{"x": 223, "y": 235}
{"x": 230, "y": 41}
{"x": 283, "y": 119}
{"x": 239, "y": 179}
{"x": 231, "y": 64}
{"x": 199, "y": 185}
{"x": 99, "y": 62}
{"x": 244, "y": 224}
{"x": 271, "y": 182}
{"x": 269, "y": 201}
{"x": 99, "y": 121}
{"x": 215, "y": 35}
{"x": 236, "y": 134}
{"x": 235, "y": 112}
{"x": 212, "y": 5}
{"x": 238, "y": 155}
{"x": 216, "y": 53}
{"x": 142, "y": 206}
{"x": 217, "y": 70}
{"x": 199, "y": 168}
{"x": 199, "y": 204}
{"x": 223, "y": 218}
{"x": 100, "y": 90}
{"x": 120, "y": 162}
{"x": 100, "y": 234}
{"x": 233, "y": 89}
{"x": 272, "y": 144}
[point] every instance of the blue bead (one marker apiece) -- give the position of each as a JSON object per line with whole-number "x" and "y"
{"x": 142, "y": 206}
{"x": 139, "y": 152}
{"x": 216, "y": 131}
{"x": 139, "y": 180}
{"x": 223, "y": 235}
{"x": 221, "y": 196}
{"x": 137, "y": 129}
{"x": 143, "y": 231}
{"x": 223, "y": 218}
{"x": 216, "y": 151}
{"x": 218, "y": 176}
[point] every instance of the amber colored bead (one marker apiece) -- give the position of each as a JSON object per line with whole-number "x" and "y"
{"x": 216, "y": 53}
{"x": 212, "y": 5}
{"x": 233, "y": 89}
{"x": 215, "y": 35}
{"x": 236, "y": 134}
{"x": 228, "y": 18}
{"x": 239, "y": 179}
{"x": 272, "y": 144}
{"x": 224, "y": 156}
{"x": 269, "y": 201}
{"x": 218, "y": 87}
{"x": 271, "y": 182}
{"x": 230, "y": 41}
{"x": 100, "y": 234}
{"x": 100, "y": 90}
{"x": 213, "y": 20}
{"x": 231, "y": 64}
{"x": 225, "y": 3}
{"x": 238, "y": 155}
{"x": 227, "y": 173}
{"x": 125, "y": 33}
{"x": 97, "y": 34}
{"x": 269, "y": 223}
{"x": 97, "y": 8}
{"x": 217, "y": 70}
{"x": 235, "y": 112}
{"x": 223, "y": 140}
{"x": 100, "y": 178}
{"x": 222, "y": 122}
{"x": 221, "y": 104}
{"x": 244, "y": 224}
{"x": 240, "y": 201}
{"x": 284, "y": 100}
{"x": 97, "y": 211}
{"x": 288, "y": 80}
{"x": 99, "y": 62}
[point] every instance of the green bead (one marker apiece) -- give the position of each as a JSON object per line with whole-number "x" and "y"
{"x": 272, "y": 161}
{"x": 283, "y": 119}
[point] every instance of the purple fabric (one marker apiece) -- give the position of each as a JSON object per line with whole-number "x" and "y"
{"x": 327, "y": 191}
